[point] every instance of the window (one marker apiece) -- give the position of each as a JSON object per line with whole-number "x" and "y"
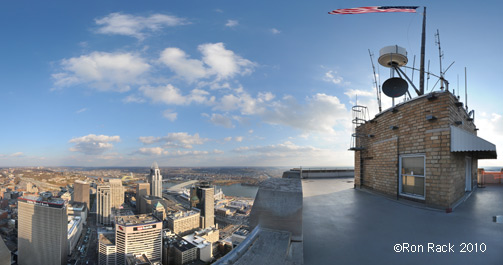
{"x": 412, "y": 178}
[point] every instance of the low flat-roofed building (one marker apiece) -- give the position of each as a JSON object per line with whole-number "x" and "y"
{"x": 211, "y": 234}
{"x": 239, "y": 236}
{"x": 185, "y": 252}
{"x": 74, "y": 232}
{"x": 78, "y": 209}
{"x": 106, "y": 249}
{"x": 140, "y": 260}
{"x": 204, "y": 247}
{"x": 183, "y": 222}
{"x": 177, "y": 251}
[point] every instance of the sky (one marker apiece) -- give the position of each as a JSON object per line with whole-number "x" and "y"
{"x": 220, "y": 83}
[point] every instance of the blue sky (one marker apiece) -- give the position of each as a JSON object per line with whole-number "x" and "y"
{"x": 218, "y": 83}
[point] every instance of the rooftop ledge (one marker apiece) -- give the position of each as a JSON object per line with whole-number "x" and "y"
{"x": 276, "y": 220}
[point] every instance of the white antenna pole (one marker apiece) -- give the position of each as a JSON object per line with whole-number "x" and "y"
{"x": 466, "y": 93}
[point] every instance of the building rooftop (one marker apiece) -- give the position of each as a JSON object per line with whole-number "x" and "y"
{"x": 181, "y": 214}
{"x": 140, "y": 219}
{"x": 353, "y": 226}
{"x": 79, "y": 206}
{"x": 44, "y": 199}
{"x": 196, "y": 240}
{"x": 107, "y": 238}
{"x": 73, "y": 223}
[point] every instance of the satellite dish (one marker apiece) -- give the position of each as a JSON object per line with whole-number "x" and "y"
{"x": 395, "y": 87}
{"x": 390, "y": 56}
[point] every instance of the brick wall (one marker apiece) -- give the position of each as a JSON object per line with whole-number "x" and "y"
{"x": 414, "y": 134}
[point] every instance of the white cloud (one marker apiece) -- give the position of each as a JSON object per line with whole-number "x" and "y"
{"x": 175, "y": 140}
{"x": 93, "y": 144}
{"x": 17, "y": 154}
{"x": 173, "y": 96}
{"x": 103, "y": 71}
{"x": 216, "y": 61}
{"x": 133, "y": 99}
{"x": 224, "y": 63}
{"x": 239, "y": 138}
{"x": 216, "y": 151}
{"x": 331, "y": 76}
{"x": 150, "y": 151}
{"x": 275, "y": 31}
{"x": 227, "y": 139}
{"x": 221, "y": 120}
{"x": 81, "y": 110}
{"x": 286, "y": 148}
{"x": 244, "y": 102}
{"x": 352, "y": 93}
{"x": 176, "y": 60}
{"x": 267, "y": 96}
{"x": 170, "y": 115}
{"x": 231, "y": 23}
{"x": 136, "y": 26}
{"x": 491, "y": 129}
{"x": 320, "y": 113}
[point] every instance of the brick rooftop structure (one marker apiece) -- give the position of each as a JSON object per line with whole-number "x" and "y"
{"x": 424, "y": 149}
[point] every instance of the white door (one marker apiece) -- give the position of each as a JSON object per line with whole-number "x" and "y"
{"x": 468, "y": 174}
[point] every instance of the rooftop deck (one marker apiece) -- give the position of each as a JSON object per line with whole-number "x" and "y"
{"x": 347, "y": 226}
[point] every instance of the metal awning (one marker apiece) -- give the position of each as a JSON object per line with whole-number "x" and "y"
{"x": 463, "y": 141}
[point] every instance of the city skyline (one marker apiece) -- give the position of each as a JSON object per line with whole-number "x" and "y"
{"x": 220, "y": 83}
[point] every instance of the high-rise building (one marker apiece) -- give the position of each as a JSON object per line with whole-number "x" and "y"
{"x": 108, "y": 196}
{"x": 155, "y": 180}
{"x": 42, "y": 230}
{"x": 103, "y": 204}
{"x": 202, "y": 197}
{"x": 81, "y": 192}
{"x": 137, "y": 235}
{"x": 117, "y": 193}
{"x": 141, "y": 189}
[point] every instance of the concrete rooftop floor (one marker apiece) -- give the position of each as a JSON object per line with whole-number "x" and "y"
{"x": 342, "y": 225}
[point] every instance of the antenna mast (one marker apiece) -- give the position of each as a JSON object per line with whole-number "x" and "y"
{"x": 440, "y": 55}
{"x": 421, "y": 68}
{"x": 466, "y": 93}
{"x": 378, "y": 87}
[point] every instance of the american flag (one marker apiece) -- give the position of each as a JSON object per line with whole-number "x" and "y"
{"x": 374, "y": 9}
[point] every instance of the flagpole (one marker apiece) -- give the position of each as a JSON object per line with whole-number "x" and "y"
{"x": 423, "y": 39}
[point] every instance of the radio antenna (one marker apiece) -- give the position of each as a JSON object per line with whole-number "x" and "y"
{"x": 440, "y": 55}
{"x": 466, "y": 93}
{"x": 378, "y": 87}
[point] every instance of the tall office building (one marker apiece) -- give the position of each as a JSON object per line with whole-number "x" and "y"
{"x": 42, "y": 230}
{"x": 202, "y": 197}
{"x": 103, "y": 204}
{"x": 81, "y": 192}
{"x": 141, "y": 189}
{"x": 137, "y": 235}
{"x": 155, "y": 180}
{"x": 117, "y": 192}
{"x": 108, "y": 197}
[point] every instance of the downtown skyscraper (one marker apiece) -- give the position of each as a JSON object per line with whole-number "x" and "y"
{"x": 202, "y": 198}
{"x": 155, "y": 180}
{"x": 42, "y": 230}
{"x": 108, "y": 197}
